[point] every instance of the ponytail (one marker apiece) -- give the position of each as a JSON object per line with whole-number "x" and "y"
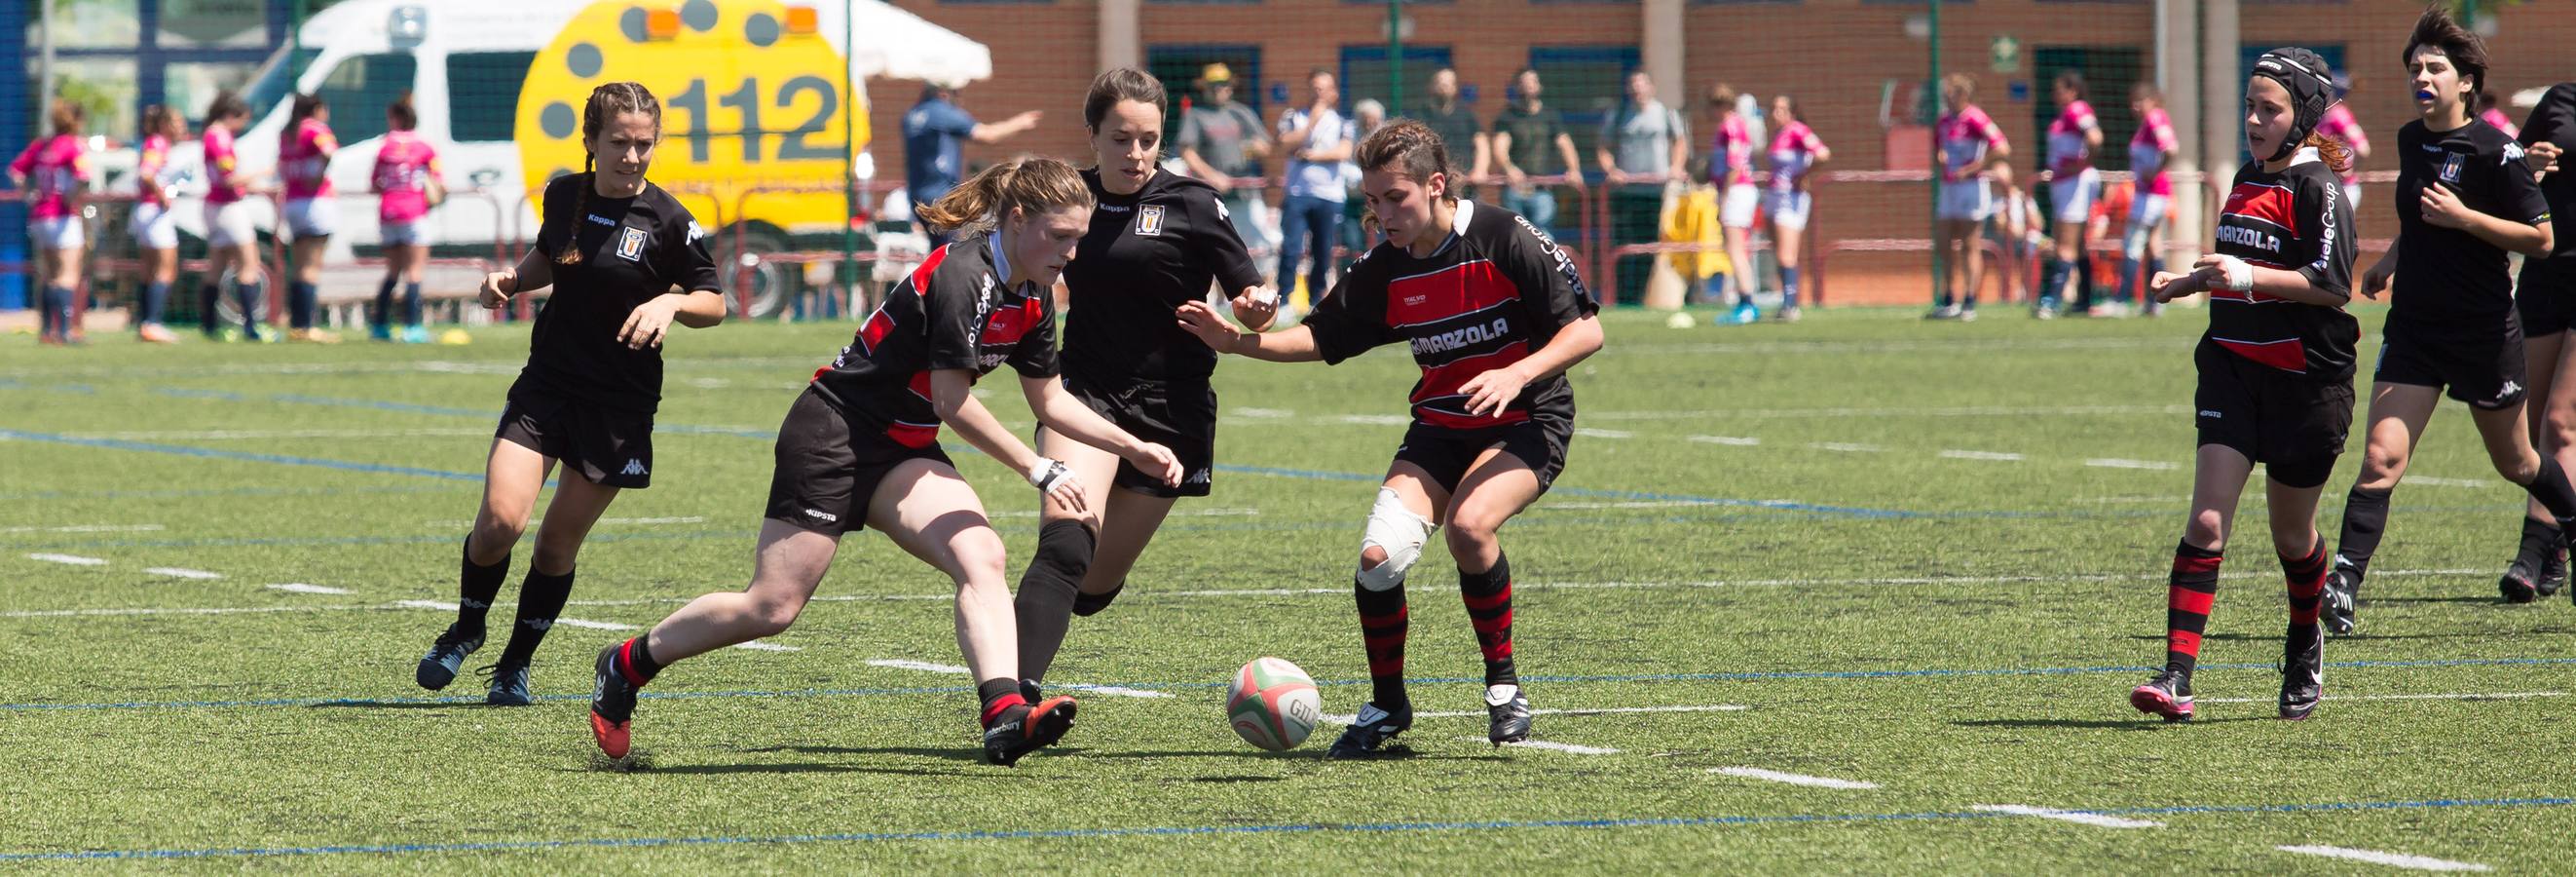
{"x": 1026, "y": 184}
{"x": 2331, "y": 151}
{"x": 303, "y": 109}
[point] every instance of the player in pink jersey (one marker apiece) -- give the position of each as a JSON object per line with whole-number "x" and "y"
{"x": 1795, "y": 151}
{"x": 2149, "y": 153}
{"x": 231, "y": 243}
{"x": 2072, "y": 186}
{"x": 407, "y": 184}
{"x": 156, "y": 234}
{"x": 1730, "y": 167}
{"x": 1969, "y": 146}
{"x": 2492, "y": 114}
{"x": 2340, "y": 125}
{"x": 52, "y": 172}
{"x": 304, "y": 162}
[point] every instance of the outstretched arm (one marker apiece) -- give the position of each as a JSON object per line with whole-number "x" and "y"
{"x": 1293, "y": 344}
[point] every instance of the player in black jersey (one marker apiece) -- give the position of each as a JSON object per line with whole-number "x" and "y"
{"x": 2545, "y": 298}
{"x": 861, "y": 447}
{"x": 1495, "y": 314}
{"x": 626, "y": 261}
{"x": 1157, "y": 240}
{"x": 2465, "y": 199}
{"x": 2276, "y": 370}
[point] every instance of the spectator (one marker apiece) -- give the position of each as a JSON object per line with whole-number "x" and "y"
{"x": 1366, "y": 117}
{"x": 1456, "y": 125}
{"x": 1318, "y": 140}
{"x": 934, "y": 148}
{"x": 1642, "y": 146}
{"x": 1529, "y": 141}
{"x": 1221, "y": 140}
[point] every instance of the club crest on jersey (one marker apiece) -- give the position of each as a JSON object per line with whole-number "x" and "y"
{"x": 2451, "y": 168}
{"x": 1149, "y": 221}
{"x": 630, "y": 244}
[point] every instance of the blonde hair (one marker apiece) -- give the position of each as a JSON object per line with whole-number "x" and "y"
{"x": 1028, "y": 184}
{"x": 606, "y": 102}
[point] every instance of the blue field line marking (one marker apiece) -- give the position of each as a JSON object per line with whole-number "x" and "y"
{"x": 210, "y": 453}
{"x": 1771, "y": 676}
{"x": 218, "y": 491}
{"x": 1274, "y": 828}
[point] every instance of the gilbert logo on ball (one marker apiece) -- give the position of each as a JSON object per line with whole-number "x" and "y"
{"x": 1272, "y": 704}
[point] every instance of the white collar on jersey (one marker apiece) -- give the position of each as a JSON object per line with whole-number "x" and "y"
{"x": 1457, "y": 225}
{"x": 2303, "y": 156}
{"x": 1001, "y": 263}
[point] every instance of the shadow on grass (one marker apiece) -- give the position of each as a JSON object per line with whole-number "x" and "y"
{"x": 2138, "y": 724}
{"x": 403, "y": 705}
{"x": 796, "y": 767}
{"x": 960, "y": 755}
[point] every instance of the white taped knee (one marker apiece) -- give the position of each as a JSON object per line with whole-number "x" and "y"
{"x": 1400, "y": 533}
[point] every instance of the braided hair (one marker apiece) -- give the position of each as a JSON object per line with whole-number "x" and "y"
{"x": 1028, "y": 184}
{"x": 1412, "y": 149}
{"x": 606, "y": 102}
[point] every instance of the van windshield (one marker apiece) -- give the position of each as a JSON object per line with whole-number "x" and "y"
{"x": 276, "y": 79}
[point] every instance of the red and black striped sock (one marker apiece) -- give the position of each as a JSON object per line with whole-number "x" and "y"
{"x": 1489, "y": 609}
{"x": 2188, "y": 593}
{"x": 1384, "y": 618}
{"x": 999, "y": 696}
{"x": 635, "y": 661}
{"x": 2307, "y": 577}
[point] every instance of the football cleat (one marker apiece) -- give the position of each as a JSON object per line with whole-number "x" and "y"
{"x": 1024, "y": 729}
{"x": 1370, "y": 731}
{"x": 2340, "y": 611}
{"x": 2303, "y": 672}
{"x": 612, "y": 705}
{"x": 1508, "y": 708}
{"x": 509, "y": 684}
{"x": 445, "y": 657}
{"x": 2520, "y": 583}
{"x": 2553, "y": 572}
{"x": 2167, "y": 695}
{"x": 1943, "y": 312}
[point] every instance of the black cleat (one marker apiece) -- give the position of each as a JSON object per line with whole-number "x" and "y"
{"x": 2167, "y": 695}
{"x": 509, "y": 684}
{"x": 1370, "y": 731}
{"x": 2553, "y": 572}
{"x": 1024, "y": 729}
{"x": 2303, "y": 672}
{"x": 612, "y": 705}
{"x": 1508, "y": 707}
{"x": 2342, "y": 601}
{"x": 445, "y": 657}
{"x": 2521, "y": 580}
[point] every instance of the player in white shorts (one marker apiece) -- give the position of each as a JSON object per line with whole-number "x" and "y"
{"x": 2072, "y": 186}
{"x": 1970, "y": 146}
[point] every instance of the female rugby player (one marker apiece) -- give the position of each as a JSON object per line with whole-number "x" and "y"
{"x": 53, "y": 172}
{"x": 2545, "y": 298}
{"x": 1795, "y": 151}
{"x": 407, "y": 184}
{"x": 231, "y": 243}
{"x": 2072, "y": 185}
{"x": 304, "y": 153}
{"x": 1970, "y": 145}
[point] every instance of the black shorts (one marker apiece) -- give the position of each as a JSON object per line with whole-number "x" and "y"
{"x": 826, "y": 471}
{"x": 2483, "y": 369}
{"x": 610, "y": 447}
{"x": 2546, "y": 295}
{"x": 1445, "y": 453}
{"x": 2291, "y": 423}
{"x": 1177, "y": 415}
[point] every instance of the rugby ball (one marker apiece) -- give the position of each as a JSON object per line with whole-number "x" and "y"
{"x": 1272, "y": 704}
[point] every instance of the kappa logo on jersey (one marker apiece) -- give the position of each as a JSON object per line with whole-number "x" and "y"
{"x": 1149, "y": 221}
{"x": 695, "y": 231}
{"x": 631, "y": 245}
{"x": 633, "y": 467}
{"x": 2512, "y": 152}
{"x": 597, "y": 219}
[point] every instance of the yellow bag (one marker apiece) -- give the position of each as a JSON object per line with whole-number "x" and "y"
{"x": 1692, "y": 217}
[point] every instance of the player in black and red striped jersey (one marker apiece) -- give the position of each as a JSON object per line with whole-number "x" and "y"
{"x": 861, "y": 447}
{"x": 2466, "y": 200}
{"x": 1495, "y": 314}
{"x": 2276, "y": 369}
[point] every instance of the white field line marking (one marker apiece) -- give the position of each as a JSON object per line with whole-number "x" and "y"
{"x": 1963, "y": 411}
{"x": 1560, "y": 747}
{"x": 87, "y": 528}
{"x": 954, "y": 670}
{"x": 263, "y": 434}
{"x": 1847, "y": 447}
{"x": 2375, "y": 857}
{"x": 1738, "y": 441}
{"x": 1636, "y": 504}
{"x": 1347, "y": 718}
{"x": 222, "y": 610}
{"x": 2457, "y": 695}
{"x": 1372, "y": 419}
{"x": 1589, "y": 432}
{"x": 182, "y": 572}
{"x": 2117, "y": 463}
{"x": 1795, "y": 779}
{"x": 444, "y": 606}
{"x": 758, "y": 646}
{"x": 302, "y": 588}
{"x": 2075, "y": 816}
{"x": 1176, "y": 513}
{"x": 1261, "y": 413}
{"x": 640, "y": 522}
{"x": 73, "y": 559}
{"x": 2431, "y": 481}
{"x": 1998, "y": 456}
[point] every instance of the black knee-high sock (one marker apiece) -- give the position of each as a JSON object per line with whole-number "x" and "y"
{"x": 411, "y": 304}
{"x": 1384, "y": 619}
{"x": 476, "y": 586}
{"x": 57, "y": 316}
{"x": 2550, "y": 487}
{"x": 1044, "y": 605}
{"x": 302, "y": 301}
{"x": 2189, "y": 591}
{"x": 251, "y": 296}
{"x": 207, "y": 297}
{"x": 2365, "y": 517}
{"x": 2540, "y": 540}
{"x": 1489, "y": 611}
{"x": 384, "y": 315}
{"x": 156, "y": 300}
{"x": 541, "y": 598}
{"x": 2084, "y": 279}
{"x": 2052, "y": 280}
